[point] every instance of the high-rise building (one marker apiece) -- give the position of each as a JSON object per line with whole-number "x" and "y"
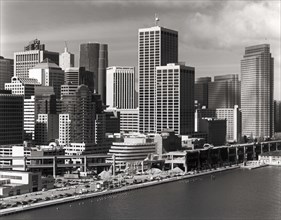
{"x": 201, "y": 91}
{"x": 77, "y": 76}
{"x": 78, "y": 117}
{"x": 215, "y": 130}
{"x": 45, "y": 100}
{"x": 94, "y": 57}
{"x": 157, "y": 46}
{"x": 11, "y": 118}
{"x": 46, "y": 128}
{"x": 48, "y": 74}
{"x": 257, "y": 75}
{"x": 66, "y": 59}
{"x": 175, "y": 98}
{"x": 22, "y": 86}
{"x": 233, "y": 122}
{"x": 224, "y": 92}
{"x": 6, "y": 71}
{"x": 33, "y": 54}
{"x": 277, "y": 116}
{"x": 29, "y": 118}
{"x": 120, "y": 87}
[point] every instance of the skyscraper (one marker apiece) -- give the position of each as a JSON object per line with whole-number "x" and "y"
{"x": 120, "y": 87}
{"x": 22, "y": 86}
{"x": 277, "y": 116}
{"x": 224, "y": 92}
{"x": 257, "y": 91}
{"x": 6, "y": 71}
{"x": 233, "y": 122}
{"x": 11, "y": 118}
{"x": 77, "y": 121}
{"x": 157, "y": 46}
{"x": 175, "y": 98}
{"x": 201, "y": 91}
{"x": 94, "y": 57}
{"x": 66, "y": 59}
{"x": 33, "y": 54}
{"x": 48, "y": 74}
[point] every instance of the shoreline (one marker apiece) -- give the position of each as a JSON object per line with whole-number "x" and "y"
{"x": 42, "y": 204}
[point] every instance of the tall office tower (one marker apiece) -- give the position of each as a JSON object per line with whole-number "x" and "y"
{"x": 224, "y": 92}
{"x": 120, "y": 87}
{"x": 45, "y": 100}
{"x": 33, "y": 54}
{"x": 157, "y": 46}
{"x": 66, "y": 59}
{"x": 78, "y": 115}
{"x": 257, "y": 75}
{"x": 77, "y": 76}
{"x": 48, "y": 74}
{"x": 22, "y": 86}
{"x": 201, "y": 91}
{"x": 94, "y": 57}
{"x": 277, "y": 116}
{"x": 175, "y": 98}
{"x": 29, "y": 118}
{"x": 6, "y": 71}
{"x": 11, "y": 118}
{"x": 46, "y": 128}
{"x": 233, "y": 122}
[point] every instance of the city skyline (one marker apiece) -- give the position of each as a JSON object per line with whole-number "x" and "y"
{"x": 212, "y": 34}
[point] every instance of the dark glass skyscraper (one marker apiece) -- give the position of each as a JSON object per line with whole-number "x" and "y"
{"x": 11, "y": 118}
{"x": 224, "y": 92}
{"x": 94, "y": 57}
{"x": 6, "y": 71}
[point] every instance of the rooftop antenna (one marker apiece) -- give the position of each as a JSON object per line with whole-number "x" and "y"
{"x": 156, "y": 19}
{"x": 65, "y": 49}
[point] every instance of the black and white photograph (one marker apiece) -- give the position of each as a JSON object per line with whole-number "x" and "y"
{"x": 140, "y": 109}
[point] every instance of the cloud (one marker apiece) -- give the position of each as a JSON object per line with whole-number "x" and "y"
{"x": 238, "y": 23}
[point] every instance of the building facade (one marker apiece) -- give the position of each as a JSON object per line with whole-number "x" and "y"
{"x": 224, "y": 91}
{"x": 6, "y": 71}
{"x": 33, "y": 54}
{"x": 233, "y": 122}
{"x": 48, "y": 73}
{"x": 175, "y": 98}
{"x": 157, "y": 46}
{"x": 66, "y": 59}
{"x": 257, "y": 76}
{"x": 11, "y": 118}
{"x": 22, "y": 86}
{"x": 46, "y": 128}
{"x": 201, "y": 91}
{"x": 78, "y": 117}
{"x": 129, "y": 120}
{"x": 120, "y": 87}
{"x": 94, "y": 58}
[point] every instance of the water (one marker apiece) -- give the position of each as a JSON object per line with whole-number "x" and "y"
{"x": 237, "y": 194}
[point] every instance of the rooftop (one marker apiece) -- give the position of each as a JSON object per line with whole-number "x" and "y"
{"x": 46, "y": 64}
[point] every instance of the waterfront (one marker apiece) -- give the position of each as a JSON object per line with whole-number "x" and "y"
{"x": 238, "y": 194}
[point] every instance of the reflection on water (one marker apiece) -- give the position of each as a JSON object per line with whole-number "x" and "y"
{"x": 238, "y": 194}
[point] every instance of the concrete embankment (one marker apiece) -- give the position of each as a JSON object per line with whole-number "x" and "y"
{"x": 42, "y": 204}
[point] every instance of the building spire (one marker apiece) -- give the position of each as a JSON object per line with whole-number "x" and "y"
{"x": 65, "y": 49}
{"x": 156, "y": 19}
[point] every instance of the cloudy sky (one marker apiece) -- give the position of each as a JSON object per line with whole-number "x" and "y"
{"x": 212, "y": 34}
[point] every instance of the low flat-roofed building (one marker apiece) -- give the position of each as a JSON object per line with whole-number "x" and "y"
{"x": 19, "y": 182}
{"x": 271, "y": 158}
